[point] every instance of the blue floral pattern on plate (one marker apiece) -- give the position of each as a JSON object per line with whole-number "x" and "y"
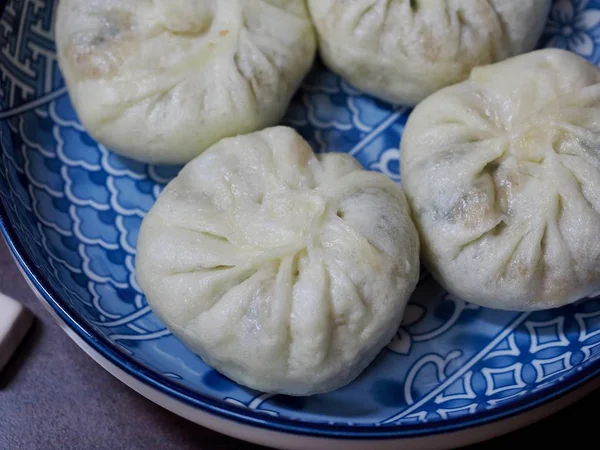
{"x": 76, "y": 209}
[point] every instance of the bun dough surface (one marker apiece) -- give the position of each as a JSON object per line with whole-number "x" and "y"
{"x": 502, "y": 173}
{"x": 404, "y": 50}
{"x": 161, "y": 80}
{"x": 286, "y": 271}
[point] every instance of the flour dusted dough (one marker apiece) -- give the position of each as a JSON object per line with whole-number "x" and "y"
{"x": 404, "y": 50}
{"x": 286, "y": 271}
{"x": 503, "y": 176}
{"x": 162, "y": 80}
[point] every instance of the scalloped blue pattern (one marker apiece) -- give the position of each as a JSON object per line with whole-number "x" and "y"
{"x": 76, "y": 209}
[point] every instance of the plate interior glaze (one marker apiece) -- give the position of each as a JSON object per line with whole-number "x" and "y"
{"x": 72, "y": 210}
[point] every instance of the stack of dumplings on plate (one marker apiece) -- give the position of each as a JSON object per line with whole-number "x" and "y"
{"x": 289, "y": 271}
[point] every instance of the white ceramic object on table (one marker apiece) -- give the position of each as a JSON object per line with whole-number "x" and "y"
{"x": 15, "y": 321}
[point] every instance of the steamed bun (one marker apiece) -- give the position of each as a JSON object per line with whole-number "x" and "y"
{"x": 404, "y": 50}
{"x": 502, "y": 173}
{"x": 161, "y": 80}
{"x": 286, "y": 271}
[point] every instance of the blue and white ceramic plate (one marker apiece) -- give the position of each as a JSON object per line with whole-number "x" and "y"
{"x": 70, "y": 210}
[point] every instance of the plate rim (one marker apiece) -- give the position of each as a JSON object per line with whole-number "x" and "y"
{"x": 279, "y": 440}
{"x": 250, "y": 417}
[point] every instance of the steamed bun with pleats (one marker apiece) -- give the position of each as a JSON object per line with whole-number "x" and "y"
{"x": 286, "y": 271}
{"x": 502, "y": 173}
{"x": 404, "y": 50}
{"x": 160, "y": 81}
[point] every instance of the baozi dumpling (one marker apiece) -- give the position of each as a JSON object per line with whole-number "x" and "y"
{"x": 502, "y": 173}
{"x": 161, "y": 80}
{"x": 404, "y": 50}
{"x": 286, "y": 271}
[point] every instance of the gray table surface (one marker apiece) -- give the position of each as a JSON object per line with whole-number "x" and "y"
{"x": 53, "y": 396}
